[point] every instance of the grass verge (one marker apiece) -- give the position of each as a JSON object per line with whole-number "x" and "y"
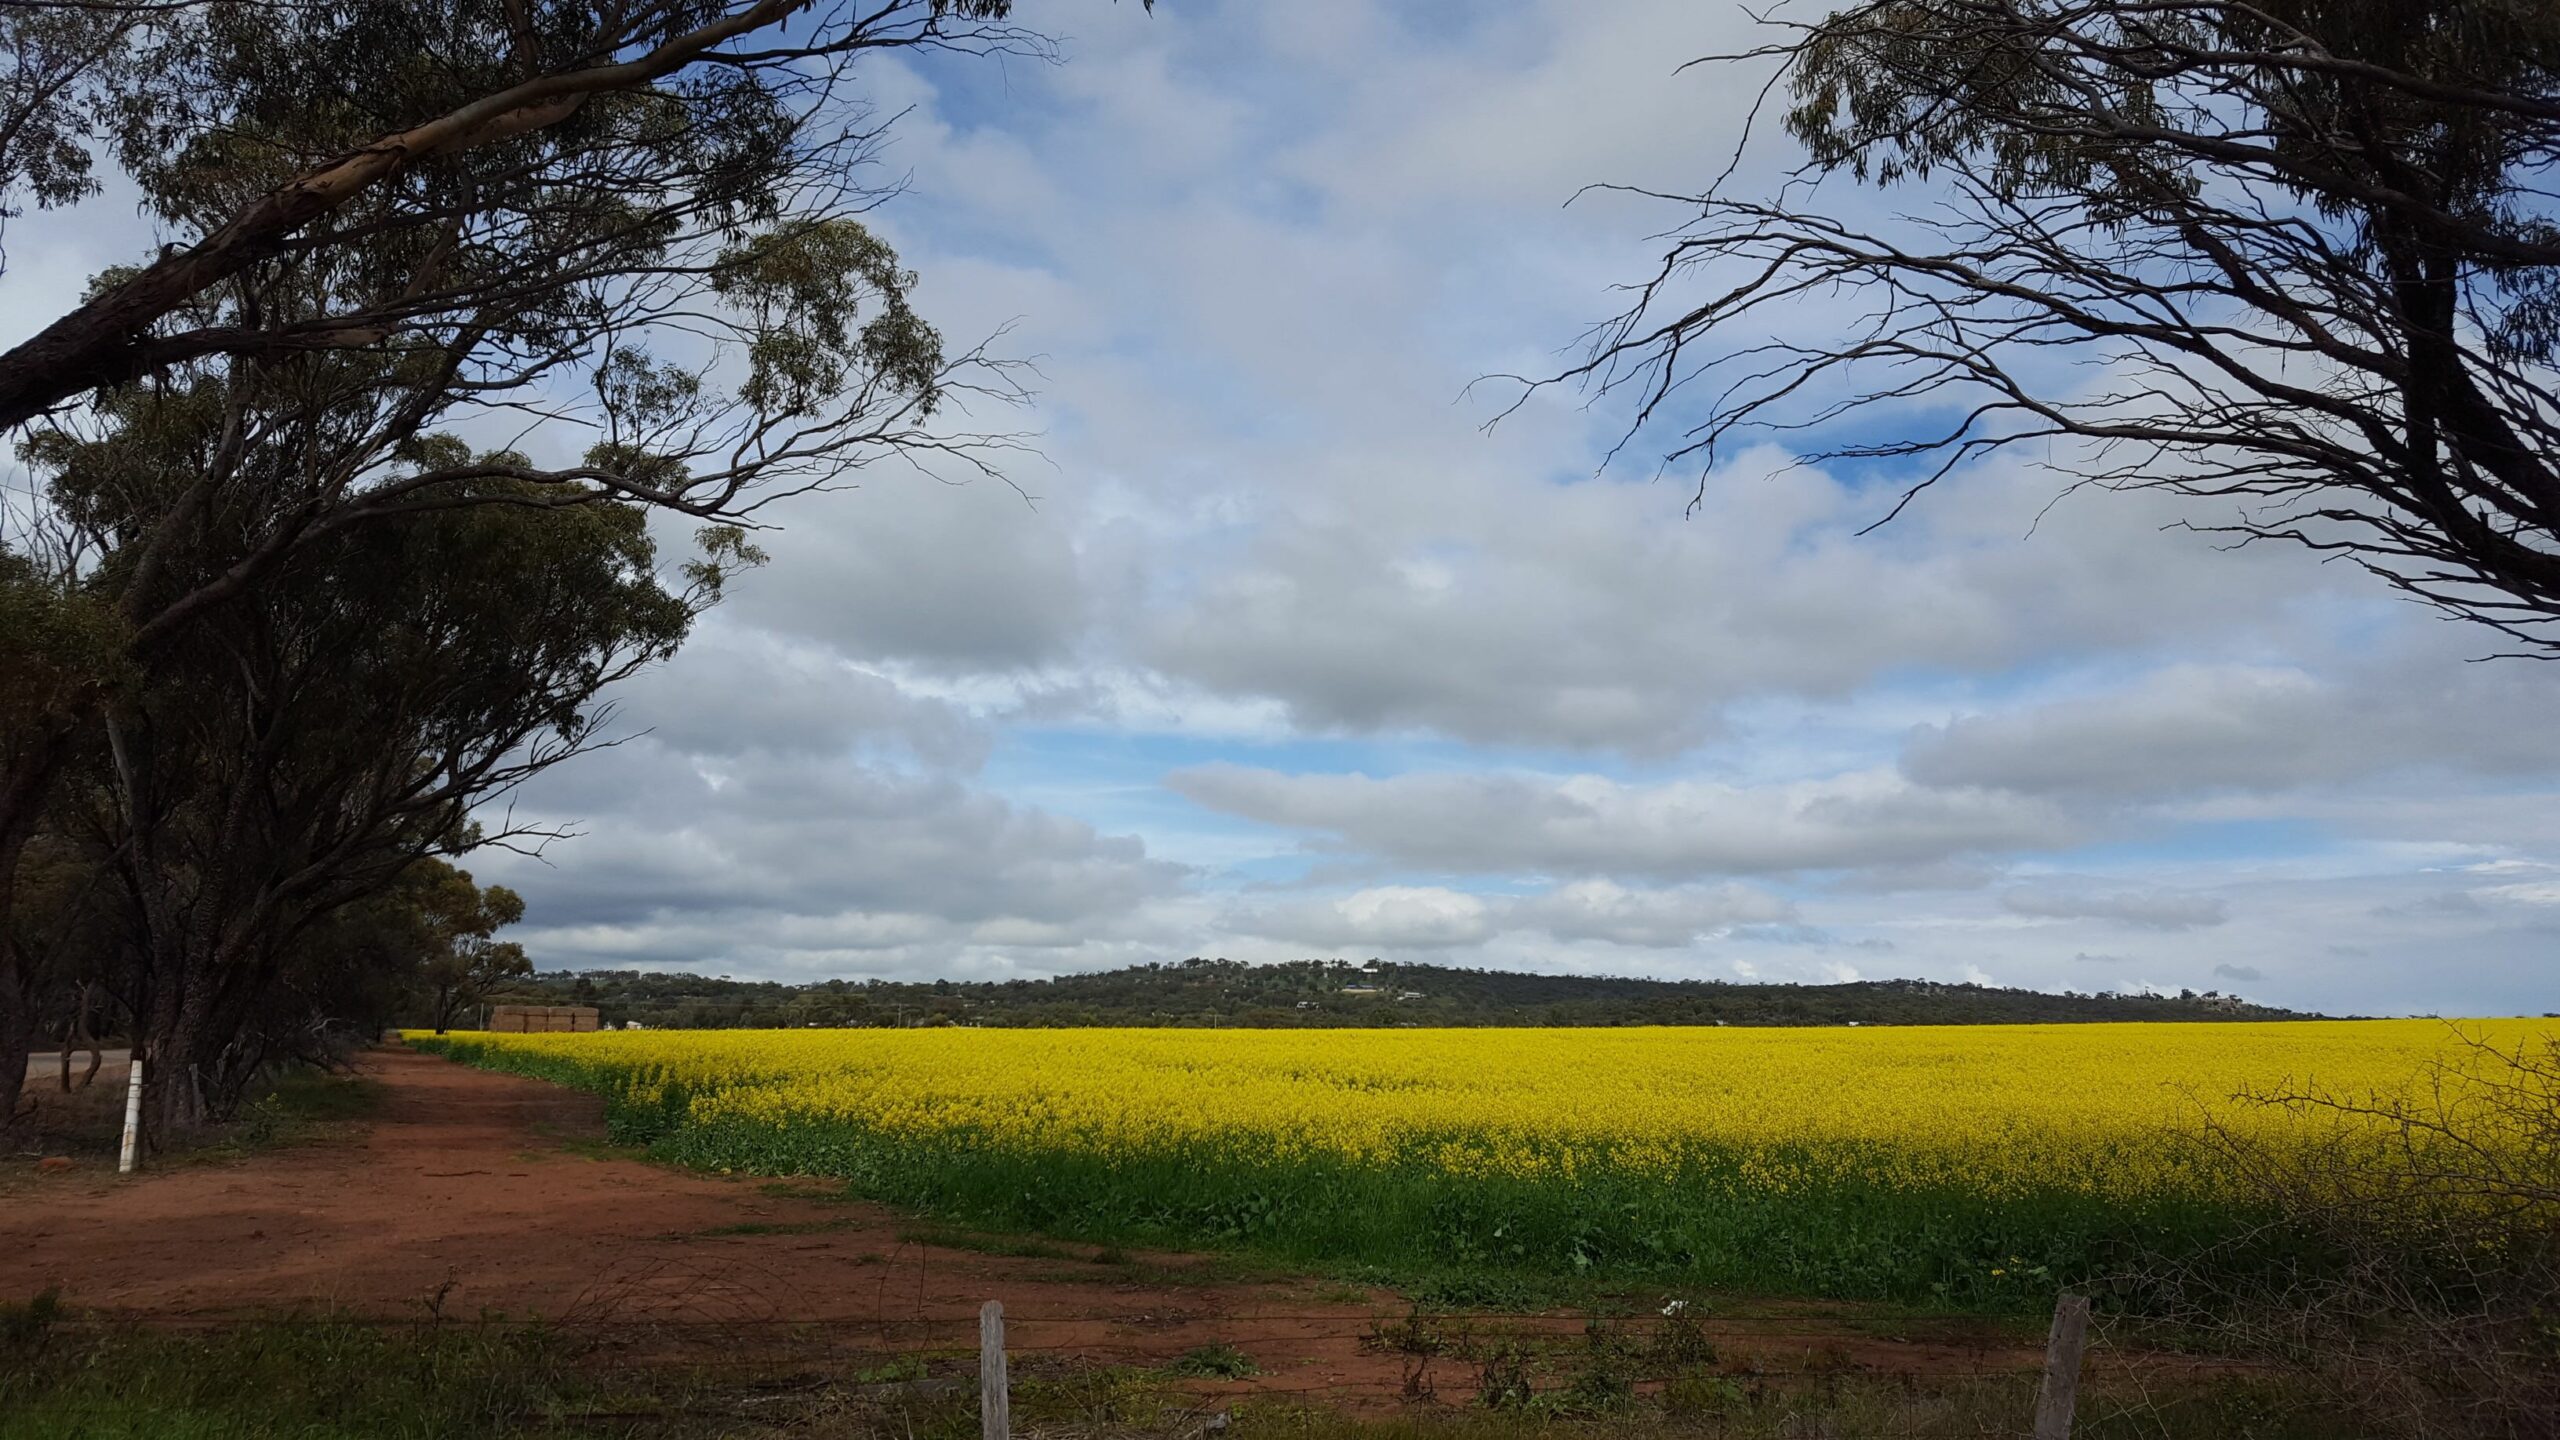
{"x": 326, "y": 1379}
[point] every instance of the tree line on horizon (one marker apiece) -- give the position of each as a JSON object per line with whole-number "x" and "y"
{"x": 1330, "y": 994}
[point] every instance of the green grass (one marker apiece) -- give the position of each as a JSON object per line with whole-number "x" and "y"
{"x": 306, "y": 1381}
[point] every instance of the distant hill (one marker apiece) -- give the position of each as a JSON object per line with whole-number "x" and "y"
{"x": 1200, "y": 992}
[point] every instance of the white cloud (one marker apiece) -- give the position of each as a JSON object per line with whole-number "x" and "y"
{"x": 1669, "y": 918}
{"x": 2141, "y": 910}
{"x": 2187, "y": 728}
{"x": 1479, "y": 823}
{"x": 1408, "y": 917}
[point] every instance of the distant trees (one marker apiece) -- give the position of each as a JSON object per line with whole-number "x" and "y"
{"x": 340, "y": 523}
{"x": 2298, "y": 254}
{"x": 467, "y": 962}
{"x": 1318, "y": 993}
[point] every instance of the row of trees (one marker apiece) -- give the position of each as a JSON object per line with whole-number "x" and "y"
{"x": 1302, "y": 993}
{"x": 339, "y": 511}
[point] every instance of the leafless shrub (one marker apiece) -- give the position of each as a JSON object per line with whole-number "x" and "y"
{"x": 2410, "y": 1258}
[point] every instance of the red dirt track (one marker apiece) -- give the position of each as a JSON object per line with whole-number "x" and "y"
{"x": 468, "y": 1184}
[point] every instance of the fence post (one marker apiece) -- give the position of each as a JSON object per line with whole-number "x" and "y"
{"x": 995, "y": 1403}
{"x": 132, "y": 1114}
{"x": 2060, "y": 1392}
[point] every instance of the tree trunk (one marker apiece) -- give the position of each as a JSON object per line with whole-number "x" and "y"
{"x": 17, "y": 1038}
{"x": 174, "y": 1098}
{"x": 80, "y": 1033}
{"x": 35, "y": 761}
{"x": 17, "y": 993}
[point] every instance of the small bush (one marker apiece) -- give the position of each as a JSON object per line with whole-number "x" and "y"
{"x": 23, "y": 1327}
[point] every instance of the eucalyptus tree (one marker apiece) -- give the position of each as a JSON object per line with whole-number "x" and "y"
{"x": 467, "y": 961}
{"x": 498, "y": 256}
{"x": 2299, "y": 254}
{"x": 328, "y": 729}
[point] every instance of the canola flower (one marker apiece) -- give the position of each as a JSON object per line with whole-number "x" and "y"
{"x": 2105, "y": 1111}
{"x": 1972, "y": 1166}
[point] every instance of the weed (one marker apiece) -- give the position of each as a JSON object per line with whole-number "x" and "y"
{"x": 1679, "y": 1341}
{"x": 1700, "y": 1395}
{"x": 1214, "y": 1362}
{"x": 1503, "y": 1382}
{"x": 1420, "y": 1332}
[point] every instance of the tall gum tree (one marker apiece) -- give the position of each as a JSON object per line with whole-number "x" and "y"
{"x": 630, "y": 232}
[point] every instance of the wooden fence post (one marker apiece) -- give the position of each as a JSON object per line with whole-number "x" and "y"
{"x": 132, "y": 1150}
{"x": 2060, "y": 1392}
{"x": 995, "y": 1404}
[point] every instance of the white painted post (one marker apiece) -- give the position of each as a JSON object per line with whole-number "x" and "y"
{"x": 2059, "y": 1395}
{"x": 995, "y": 1400}
{"x": 132, "y": 1117}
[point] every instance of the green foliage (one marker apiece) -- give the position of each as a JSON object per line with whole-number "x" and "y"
{"x": 807, "y": 288}
{"x": 61, "y": 650}
{"x": 313, "y": 1380}
{"x": 456, "y": 924}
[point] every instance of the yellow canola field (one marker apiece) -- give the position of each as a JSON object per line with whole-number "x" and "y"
{"x": 2005, "y": 1109}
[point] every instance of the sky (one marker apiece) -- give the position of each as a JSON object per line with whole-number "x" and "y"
{"x": 1294, "y": 639}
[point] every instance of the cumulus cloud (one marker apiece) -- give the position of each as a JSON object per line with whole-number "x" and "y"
{"x": 1592, "y": 617}
{"x": 1665, "y": 918}
{"x": 739, "y": 689}
{"x": 2188, "y": 727}
{"x": 1587, "y": 825}
{"x": 2142, "y": 910}
{"x": 696, "y": 856}
{"x": 948, "y": 577}
{"x": 1388, "y": 917}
